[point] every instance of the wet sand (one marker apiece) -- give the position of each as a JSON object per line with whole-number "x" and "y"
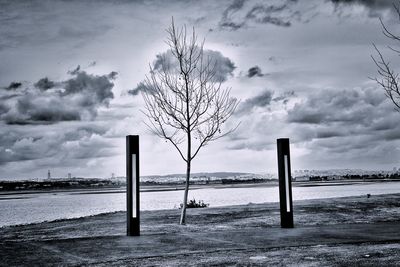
{"x": 350, "y": 231}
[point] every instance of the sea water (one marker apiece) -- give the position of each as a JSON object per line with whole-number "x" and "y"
{"x": 40, "y": 207}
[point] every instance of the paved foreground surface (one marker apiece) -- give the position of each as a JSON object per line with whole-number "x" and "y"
{"x": 356, "y": 231}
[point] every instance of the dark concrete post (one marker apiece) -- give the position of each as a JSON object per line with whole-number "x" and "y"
{"x": 285, "y": 183}
{"x": 132, "y": 185}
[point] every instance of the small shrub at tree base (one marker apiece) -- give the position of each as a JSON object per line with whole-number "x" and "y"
{"x": 193, "y": 204}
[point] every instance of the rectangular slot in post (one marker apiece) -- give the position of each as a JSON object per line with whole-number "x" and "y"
{"x": 285, "y": 161}
{"x": 134, "y": 206}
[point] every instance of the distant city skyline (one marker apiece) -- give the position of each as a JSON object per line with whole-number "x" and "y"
{"x": 295, "y": 173}
{"x": 71, "y": 73}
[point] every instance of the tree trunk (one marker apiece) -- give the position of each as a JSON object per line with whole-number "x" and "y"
{"x": 189, "y": 151}
{"x": 185, "y": 195}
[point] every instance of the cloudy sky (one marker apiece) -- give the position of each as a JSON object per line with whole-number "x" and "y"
{"x": 71, "y": 73}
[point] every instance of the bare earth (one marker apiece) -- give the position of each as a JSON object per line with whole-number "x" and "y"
{"x": 351, "y": 231}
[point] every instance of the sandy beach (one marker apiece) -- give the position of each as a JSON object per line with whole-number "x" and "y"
{"x": 357, "y": 231}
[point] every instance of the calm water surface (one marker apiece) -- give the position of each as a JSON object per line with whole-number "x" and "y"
{"x": 30, "y": 208}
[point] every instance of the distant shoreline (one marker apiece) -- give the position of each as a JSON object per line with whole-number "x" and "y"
{"x": 164, "y": 188}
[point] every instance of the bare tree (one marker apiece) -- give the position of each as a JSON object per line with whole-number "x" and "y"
{"x": 184, "y": 101}
{"x": 388, "y": 78}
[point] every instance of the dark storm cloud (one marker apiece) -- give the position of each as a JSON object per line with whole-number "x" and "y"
{"x": 141, "y": 87}
{"x": 77, "y": 98}
{"x": 328, "y": 133}
{"x": 223, "y": 67}
{"x": 346, "y": 106}
{"x": 284, "y": 97}
{"x": 346, "y": 120}
{"x": 235, "y": 6}
{"x": 44, "y": 84}
{"x": 31, "y": 109}
{"x": 97, "y": 89}
{"x": 64, "y": 144}
{"x": 261, "y": 100}
{"x": 113, "y": 75}
{"x": 263, "y": 14}
{"x": 242, "y": 13}
{"x": 13, "y": 86}
{"x": 75, "y": 71}
{"x": 254, "y": 71}
{"x": 350, "y": 122}
{"x": 226, "y": 21}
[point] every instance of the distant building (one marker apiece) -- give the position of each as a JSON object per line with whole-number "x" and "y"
{"x": 302, "y": 178}
{"x": 48, "y": 174}
{"x": 69, "y": 175}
